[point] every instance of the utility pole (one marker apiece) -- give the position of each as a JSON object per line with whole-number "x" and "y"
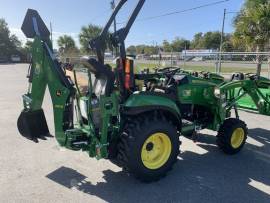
{"x": 221, "y": 41}
{"x": 185, "y": 56}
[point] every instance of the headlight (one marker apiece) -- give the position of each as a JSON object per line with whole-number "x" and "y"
{"x": 217, "y": 92}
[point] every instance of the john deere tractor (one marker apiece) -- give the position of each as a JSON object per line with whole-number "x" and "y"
{"x": 135, "y": 127}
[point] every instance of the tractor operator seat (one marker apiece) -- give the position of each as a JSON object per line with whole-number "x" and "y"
{"x": 237, "y": 76}
{"x": 104, "y": 77}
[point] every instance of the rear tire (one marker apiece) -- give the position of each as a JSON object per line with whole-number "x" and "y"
{"x": 232, "y": 136}
{"x": 148, "y": 147}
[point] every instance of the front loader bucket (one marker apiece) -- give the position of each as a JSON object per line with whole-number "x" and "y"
{"x": 33, "y": 125}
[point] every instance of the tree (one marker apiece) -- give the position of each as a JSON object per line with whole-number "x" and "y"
{"x": 197, "y": 41}
{"x": 26, "y": 51}
{"x": 9, "y": 44}
{"x": 166, "y": 46}
{"x": 211, "y": 40}
{"x": 180, "y": 44}
{"x": 252, "y": 27}
{"x": 28, "y": 46}
{"x": 15, "y": 41}
{"x": 140, "y": 49}
{"x": 66, "y": 44}
{"x": 132, "y": 50}
{"x": 88, "y": 33}
{"x": 151, "y": 50}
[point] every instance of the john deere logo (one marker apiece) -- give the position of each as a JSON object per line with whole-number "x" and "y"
{"x": 58, "y": 93}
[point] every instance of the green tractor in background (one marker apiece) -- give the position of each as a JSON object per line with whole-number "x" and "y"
{"x": 256, "y": 99}
{"x": 135, "y": 127}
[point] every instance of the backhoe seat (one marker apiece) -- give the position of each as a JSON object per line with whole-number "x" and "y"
{"x": 104, "y": 82}
{"x": 237, "y": 76}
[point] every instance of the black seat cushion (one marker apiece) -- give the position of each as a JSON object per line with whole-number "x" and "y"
{"x": 237, "y": 76}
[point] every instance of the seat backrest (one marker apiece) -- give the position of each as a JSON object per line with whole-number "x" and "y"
{"x": 104, "y": 77}
{"x": 99, "y": 86}
{"x": 237, "y": 76}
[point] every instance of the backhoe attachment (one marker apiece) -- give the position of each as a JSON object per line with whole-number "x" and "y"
{"x": 31, "y": 123}
{"x": 44, "y": 71}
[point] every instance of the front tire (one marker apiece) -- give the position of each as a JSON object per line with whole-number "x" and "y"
{"x": 232, "y": 136}
{"x": 148, "y": 147}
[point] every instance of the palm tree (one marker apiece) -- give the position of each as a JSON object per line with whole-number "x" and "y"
{"x": 91, "y": 32}
{"x": 88, "y": 33}
{"x": 66, "y": 43}
{"x": 252, "y": 27}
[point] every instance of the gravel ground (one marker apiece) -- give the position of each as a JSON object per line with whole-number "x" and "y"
{"x": 44, "y": 172}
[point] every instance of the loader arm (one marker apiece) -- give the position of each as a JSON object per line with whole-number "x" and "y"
{"x": 252, "y": 88}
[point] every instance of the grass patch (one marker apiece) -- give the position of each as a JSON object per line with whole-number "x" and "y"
{"x": 141, "y": 66}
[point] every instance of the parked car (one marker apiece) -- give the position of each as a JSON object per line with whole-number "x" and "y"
{"x": 15, "y": 58}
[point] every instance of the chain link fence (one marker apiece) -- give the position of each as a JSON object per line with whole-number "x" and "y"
{"x": 220, "y": 62}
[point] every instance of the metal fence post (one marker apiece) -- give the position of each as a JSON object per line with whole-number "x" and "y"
{"x": 217, "y": 63}
{"x": 269, "y": 66}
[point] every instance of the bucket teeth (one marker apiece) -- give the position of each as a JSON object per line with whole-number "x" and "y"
{"x": 32, "y": 125}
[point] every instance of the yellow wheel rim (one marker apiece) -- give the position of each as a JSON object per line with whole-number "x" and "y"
{"x": 156, "y": 150}
{"x": 237, "y": 138}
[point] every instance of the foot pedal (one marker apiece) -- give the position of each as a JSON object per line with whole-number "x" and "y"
{"x": 33, "y": 125}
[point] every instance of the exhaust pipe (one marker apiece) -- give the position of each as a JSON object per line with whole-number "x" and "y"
{"x": 33, "y": 125}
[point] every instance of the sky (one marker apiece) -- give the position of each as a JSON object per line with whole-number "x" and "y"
{"x": 68, "y": 17}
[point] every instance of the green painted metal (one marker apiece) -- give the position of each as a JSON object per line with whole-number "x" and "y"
{"x": 217, "y": 96}
{"x": 211, "y": 92}
{"x": 143, "y": 100}
{"x": 249, "y": 94}
{"x": 44, "y": 75}
{"x": 197, "y": 91}
{"x": 258, "y": 98}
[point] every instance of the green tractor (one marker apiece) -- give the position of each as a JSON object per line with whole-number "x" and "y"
{"x": 136, "y": 128}
{"x": 255, "y": 98}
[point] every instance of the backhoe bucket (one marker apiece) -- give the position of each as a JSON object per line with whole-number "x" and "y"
{"x": 32, "y": 125}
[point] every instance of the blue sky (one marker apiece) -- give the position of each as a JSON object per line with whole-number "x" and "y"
{"x": 68, "y": 17}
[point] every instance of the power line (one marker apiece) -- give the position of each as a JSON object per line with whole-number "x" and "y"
{"x": 180, "y": 11}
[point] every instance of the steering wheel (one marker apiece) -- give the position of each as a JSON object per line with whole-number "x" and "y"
{"x": 252, "y": 76}
{"x": 162, "y": 70}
